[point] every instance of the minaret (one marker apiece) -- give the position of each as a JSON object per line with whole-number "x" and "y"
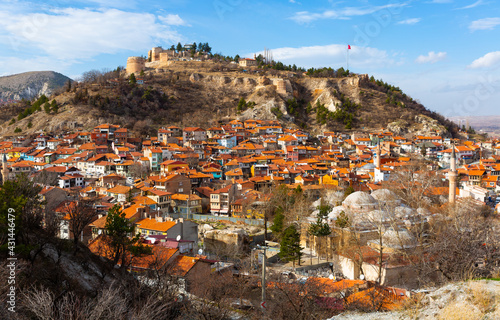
{"x": 5, "y": 170}
{"x": 452, "y": 176}
{"x": 377, "y": 161}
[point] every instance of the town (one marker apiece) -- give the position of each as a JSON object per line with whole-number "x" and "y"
{"x": 333, "y": 209}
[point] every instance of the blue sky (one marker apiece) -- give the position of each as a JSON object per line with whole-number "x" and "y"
{"x": 444, "y": 53}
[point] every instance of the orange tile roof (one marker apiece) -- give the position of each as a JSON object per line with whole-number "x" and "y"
{"x": 119, "y": 189}
{"x": 181, "y": 265}
{"x": 152, "y": 224}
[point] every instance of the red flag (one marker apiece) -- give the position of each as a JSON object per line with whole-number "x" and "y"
{"x": 349, "y": 46}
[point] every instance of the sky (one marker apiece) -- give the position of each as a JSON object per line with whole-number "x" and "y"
{"x": 443, "y": 53}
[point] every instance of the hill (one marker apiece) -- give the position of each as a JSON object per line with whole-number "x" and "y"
{"x": 203, "y": 93}
{"x": 30, "y": 85}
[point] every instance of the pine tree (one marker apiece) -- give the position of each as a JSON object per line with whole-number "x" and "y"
{"x": 320, "y": 228}
{"x": 290, "y": 249}
{"x": 278, "y": 221}
{"x": 132, "y": 79}
{"x": 120, "y": 231}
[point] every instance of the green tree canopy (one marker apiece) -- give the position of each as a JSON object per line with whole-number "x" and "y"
{"x": 290, "y": 249}
{"x": 278, "y": 221}
{"x": 132, "y": 79}
{"x": 121, "y": 233}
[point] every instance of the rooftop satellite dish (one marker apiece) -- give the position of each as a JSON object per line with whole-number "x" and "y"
{"x": 200, "y": 251}
{"x": 178, "y": 238}
{"x": 330, "y": 277}
{"x": 362, "y": 277}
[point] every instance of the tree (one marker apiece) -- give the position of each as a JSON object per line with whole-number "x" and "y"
{"x": 19, "y": 200}
{"x": 237, "y": 58}
{"x": 132, "y": 79}
{"x": 179, "y": 47}
{"x": 290, "y": 249}
{"x": 242, "y": 104}
{"x": 278, "y": 222}
{"x": 46, "y": 107}
{"x": 320, "y": 228}
{"x": 81, "y": 212}
{"x": 30, "y": 124}
{"x": 120, "y": 231}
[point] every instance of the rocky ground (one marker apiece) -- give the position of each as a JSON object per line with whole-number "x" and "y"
{"x": 471, "y": 300}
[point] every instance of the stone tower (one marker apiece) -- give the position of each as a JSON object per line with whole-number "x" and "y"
{"x": 135, "y": 65}
{"x": 452, "y": 177}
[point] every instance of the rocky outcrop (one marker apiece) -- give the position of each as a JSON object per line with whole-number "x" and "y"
{"x": 30, "y": 85}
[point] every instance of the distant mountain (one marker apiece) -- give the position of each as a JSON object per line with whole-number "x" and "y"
{"x": 488, "y": 124}
{"x": 29, "y": 85}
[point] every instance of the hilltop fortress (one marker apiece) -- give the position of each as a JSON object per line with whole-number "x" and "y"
{"x": 161, "y": 58}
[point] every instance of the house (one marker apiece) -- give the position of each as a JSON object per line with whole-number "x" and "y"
{"x": 155, "y": 156}
{"x": 162, "y": 199}
{"x": 186, "y": 203}
{"x": 247, "y": 62}
{"x": 173, "y": 183}
{"x": 120, "y": 193}
{"x": 172, "y": 165}
{"x": 221, "y": 199}
{"x": 189, "y": 270}
{"x": 71, "y": 180}
{"x": 179, "y": 228}
{"x": 194, "y": 133}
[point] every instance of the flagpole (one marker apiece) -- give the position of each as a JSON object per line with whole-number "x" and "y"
{"x": 347, "y": 49}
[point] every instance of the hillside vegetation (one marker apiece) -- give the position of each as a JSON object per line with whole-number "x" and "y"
{"x": 204, "y": 93}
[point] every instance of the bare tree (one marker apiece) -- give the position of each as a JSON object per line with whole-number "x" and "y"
{"x": 413, "y": 183}
{"x": 80, "y": 213}
{"x": 465, "y": 241}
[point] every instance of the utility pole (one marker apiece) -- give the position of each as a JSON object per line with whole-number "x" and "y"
{"x": 263, "y": 281}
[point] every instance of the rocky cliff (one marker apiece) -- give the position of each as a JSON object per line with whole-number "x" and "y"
{"x": 30, "y": 85}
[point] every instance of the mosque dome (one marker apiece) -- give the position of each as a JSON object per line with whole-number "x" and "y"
{"x": 360, "y": 200}
{"x": 384, "y": 195}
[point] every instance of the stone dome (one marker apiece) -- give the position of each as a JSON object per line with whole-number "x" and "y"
{"x": 360, "y": 200}
{"x": 332, "y": 216}
{"x": 398, "y": 239}
{"x": 384, "y": 195}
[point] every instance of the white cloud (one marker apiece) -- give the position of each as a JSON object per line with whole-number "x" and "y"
{"x": 473, "y": 5}
{"x": 75, "y": 34}
{"x": 441, "y": 1}
{"x": 333, "y": 55}
{"x": 172, "y": 20}
{"x": 410, "y": 21}
{"x": 484, "y": 24}
{"x": 13, "y": 65}
{"x": 488, "y": 60}
{"x": 342, "y": 14}
{"x": 431, "y": 57}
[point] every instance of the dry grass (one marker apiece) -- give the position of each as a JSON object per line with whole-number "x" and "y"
{"x": 481, "y": 297}
{"x": 461, "y": 310}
